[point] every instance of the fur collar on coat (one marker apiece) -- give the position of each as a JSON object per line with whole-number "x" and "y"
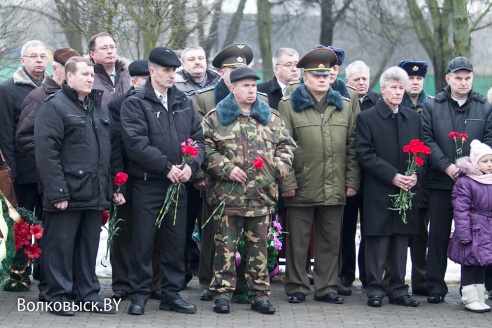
{"x": 301, "y": 99}
{"x": 228, "y": 110}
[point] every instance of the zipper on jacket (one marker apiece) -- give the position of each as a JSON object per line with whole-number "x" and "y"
{"x": 145, "y": 176}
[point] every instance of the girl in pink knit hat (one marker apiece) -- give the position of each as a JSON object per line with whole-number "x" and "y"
{"x": 471, "y": 244}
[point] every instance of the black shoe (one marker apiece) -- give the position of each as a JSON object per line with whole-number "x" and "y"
{"x": 137, "y": 307}
{"x": 342, "y": 290}
{"x": 297, "y": 297}
{"x": 330, "y": 298}
{"x": 178, "y": 305}
{"x": 206, "y": 295}
{"x": 345, "y": 282}
{"x": 420, "y": 292}
{"x": 156, "y": 295}
{"x": 405, "y": 300}
{"x": 64, "y": 311}
{"x": 42, "y": 297}
{"x": 311, "y": 279}
{"x": 120, "y": 295}
{"x": 435, "y": 298}
{"x": 221, "y": 305}
{"x": 97, "y": 307}
{"x": 490, "y": 295}
{"x": 263, "y": 307}
{"x": 375, "y": 301}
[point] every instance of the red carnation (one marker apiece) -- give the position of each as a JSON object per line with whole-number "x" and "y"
{"x": 32, "y": 251}
{"x": 419, "y": 161}
{"x": 258, "y": 163}
{"x": 407, "y": 148}
{"x": 463, "y": 137}
{"x": 453, "y": 134}
{"x": 120, "y": 179}
{"x": 36, "y": 231}
{"x": 105, "y": 217}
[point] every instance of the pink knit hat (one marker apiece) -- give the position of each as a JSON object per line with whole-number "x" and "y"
{"x": 478, "y": 150}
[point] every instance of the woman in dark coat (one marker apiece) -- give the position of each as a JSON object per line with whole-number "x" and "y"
{"x": 381, "y": 133}
{"x": 471, "y": 244}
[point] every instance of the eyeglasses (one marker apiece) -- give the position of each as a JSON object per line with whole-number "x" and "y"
{"x": 34, "y": 56}
{"x": 288, "y": 65}
{"x": 105, "y": 48}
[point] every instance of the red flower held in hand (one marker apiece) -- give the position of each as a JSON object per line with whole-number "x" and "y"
{"x": 120, "y": 179}
{"x": 36, "y": 231}
{"x": 419, "y": 161}
{"x": 32, "y": 251}
{"x": 105, "y": 217}
{"x": 258, "y": 163}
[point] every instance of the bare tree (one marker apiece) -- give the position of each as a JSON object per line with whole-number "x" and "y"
{"x": 264, "y": 26}
{"x": 444, "y": 29}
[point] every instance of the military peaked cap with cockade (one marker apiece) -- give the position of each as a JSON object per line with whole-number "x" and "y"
{"x": 318, "y": 61}
{"x": 234, "y": 55}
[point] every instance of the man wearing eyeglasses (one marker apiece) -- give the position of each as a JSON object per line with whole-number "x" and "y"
{"x": 285, "y": 70}
{"x": 111, "y": 74}
{"x": 12, "y": 93}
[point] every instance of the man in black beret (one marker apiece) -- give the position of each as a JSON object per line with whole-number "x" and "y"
{"x": 227, "y": 60}
{"x": 121, "y": 246}
{"x": 155, "y": 120}
{"x": 324, "y": 175}
{"x": 251, "y": 202}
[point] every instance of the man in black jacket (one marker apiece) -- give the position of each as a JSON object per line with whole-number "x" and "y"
{"x": 285, "y": 70}
{"x": 74, "y": 151}
{"x": 155, "y": 120}
{"x": 457, "y": 108}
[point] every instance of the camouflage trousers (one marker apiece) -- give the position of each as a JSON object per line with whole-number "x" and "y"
{"x": 228, "y": 230}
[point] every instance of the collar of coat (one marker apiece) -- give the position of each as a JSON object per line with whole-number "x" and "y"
{"x": 228, "y": 110}
{"x": 118, "y": 66}
{"x": 445, "y": 94}
{"x": 301, "y": 100}
{"x": 386, "y": 112}
{"x": 340, "y": 87}
{"x": 407, "y": 102}
{"x": 221, "y": 91}
{"x": 20, "y": 77}
{"x": 174, "y": 95}
{"x": 94, "y": 98}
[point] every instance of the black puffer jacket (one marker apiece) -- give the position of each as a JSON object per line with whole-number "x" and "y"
{"x": 25, "y": 128}
{"x": 442, "y": 115}
{"x": 74, "y": 149}
{"x": 152, "y": 135}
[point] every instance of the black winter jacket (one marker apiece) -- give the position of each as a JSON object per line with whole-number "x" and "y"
{"x": 74, "y": 150}
{"x": 442, "y": 115}
{"x": 25, "y": 128}
{"x": 12, "y": 94}
{"x": 152, "y": 135}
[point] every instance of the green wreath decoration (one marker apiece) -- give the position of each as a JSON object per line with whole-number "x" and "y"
{"x": 7, "y": 240}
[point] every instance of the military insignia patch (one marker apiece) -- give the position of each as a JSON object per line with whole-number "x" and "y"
{"x": 415, "y": 68}
{"x": 240, "y": 46}
{"x": 239, "y": 59}
{"x": 321, "y": 66}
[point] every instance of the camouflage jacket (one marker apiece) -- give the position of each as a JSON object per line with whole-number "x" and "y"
{"x": 232, "y": 139}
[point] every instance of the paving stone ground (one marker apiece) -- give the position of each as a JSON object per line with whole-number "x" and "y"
{"x": 354, "y": 313}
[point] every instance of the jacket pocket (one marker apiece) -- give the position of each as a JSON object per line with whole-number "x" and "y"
{"x": 76, "y": 125}
{"x": 79, "y": 183}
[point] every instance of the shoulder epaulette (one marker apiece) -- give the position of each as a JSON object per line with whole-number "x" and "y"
{"x": 346, "y": 99}
{"x": 286, "y": 97}
{"x": 349, "y": 86}
{"x": 210, "y": 112}
{"x": 206, "y": 89}
{"x": 261, "y": 93}
{"x": 275, "y": 112}
{"x": 294, "y": 82}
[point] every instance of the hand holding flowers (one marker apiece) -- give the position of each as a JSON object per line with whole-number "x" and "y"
{"x": 118, "y": 199}
{"x": 177, "y": 175}
{"x": 403, "y": 200}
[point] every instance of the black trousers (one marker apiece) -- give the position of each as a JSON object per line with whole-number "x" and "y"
{"x": 29, "y": 197}
{"x": 70, "y": 243}
{"x": 349, "y": 229}
{"x": 441, "y": 217}
{"x": 148, "y": 198}
{"x": 192, "y": 252}
{"x": 376, "y": 255}
{"x": 121, "y": 252}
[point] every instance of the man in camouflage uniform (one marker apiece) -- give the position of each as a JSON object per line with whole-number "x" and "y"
{"x": 231, "y": 57}
{"x": 241, "y": 129}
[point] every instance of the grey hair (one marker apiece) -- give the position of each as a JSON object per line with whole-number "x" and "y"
{"x": 185, "y": 51}
{"x": 283, "y": 51}
{"x": 489, "y": 96}
{"x": 357, "y": 65}
{"x": 394, "y": 73}
{"x": 32, "y": 43}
